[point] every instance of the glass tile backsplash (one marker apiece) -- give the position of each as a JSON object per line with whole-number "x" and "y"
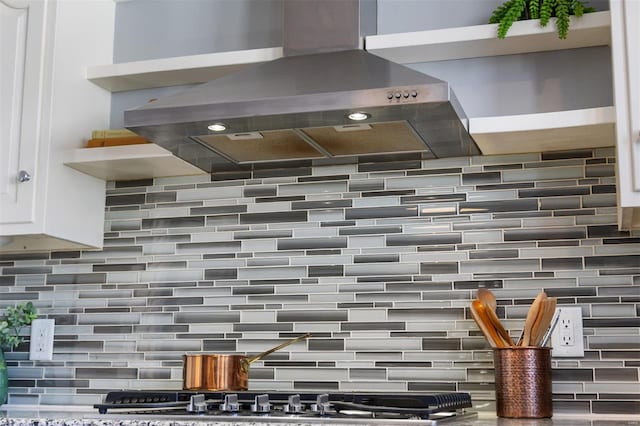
{"x": 378, "y": 260}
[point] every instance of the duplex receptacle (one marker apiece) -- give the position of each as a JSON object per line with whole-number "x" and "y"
{"x": 567, "y": 338}
{"x": 41, "y": 346}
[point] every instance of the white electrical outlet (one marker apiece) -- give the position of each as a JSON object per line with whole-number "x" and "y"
{"x": 41, "y": 348}
{"x": 566, "y": 339}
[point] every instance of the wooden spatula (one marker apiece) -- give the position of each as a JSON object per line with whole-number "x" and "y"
{"x": 543, "y": 321}
{"x": 534, "y": 311}
{"x": 487, "y": 297}
{"x": 479, "y": 313}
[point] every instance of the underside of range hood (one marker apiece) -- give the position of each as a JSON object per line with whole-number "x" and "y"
{"x": 298, "y": 107}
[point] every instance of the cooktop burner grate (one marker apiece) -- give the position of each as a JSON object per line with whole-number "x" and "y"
{"x": 339, "y": 405}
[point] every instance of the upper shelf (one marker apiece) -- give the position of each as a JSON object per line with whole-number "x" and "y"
{"x": 592, "y": 29}
{"x": 422, "y": 46}
{"x": 176, "y": 71}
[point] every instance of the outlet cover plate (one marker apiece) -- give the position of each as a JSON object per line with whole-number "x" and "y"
{"x": 567, "y": 338}
{"x": 41, "y": 346}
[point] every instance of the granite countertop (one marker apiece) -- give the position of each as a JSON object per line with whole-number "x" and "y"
{"x": 28, "y": 415}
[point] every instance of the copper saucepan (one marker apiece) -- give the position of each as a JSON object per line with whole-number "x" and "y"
{"x": 221, "y": 372}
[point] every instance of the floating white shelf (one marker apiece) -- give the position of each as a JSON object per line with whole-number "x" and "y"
{"x": 549, "y": 131}
{"x": 129, "y": 162}
{"x": 176, "y": 71}
{"x": 592, "y": 29}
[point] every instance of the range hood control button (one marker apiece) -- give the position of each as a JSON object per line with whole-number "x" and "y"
{"x": 398, "y": 95}
{"x": 390, "y": 95}
{"x": 261, "y": 404}
{"x": 414, "y": 94}
{"x": 405, "y": 94}
{"x": 230, "y": 403}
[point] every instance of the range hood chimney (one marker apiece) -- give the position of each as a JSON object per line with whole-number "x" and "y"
{"x": 326, "y": 98}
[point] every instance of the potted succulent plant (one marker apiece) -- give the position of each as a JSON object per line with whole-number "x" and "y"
{"x": 516, "y": 10}
{"x": 11, "y": 322}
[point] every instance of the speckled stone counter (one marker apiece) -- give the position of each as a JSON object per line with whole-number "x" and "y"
{"x": 67, "y": 416}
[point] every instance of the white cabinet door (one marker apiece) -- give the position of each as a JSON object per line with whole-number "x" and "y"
{"x": 625, "y": 49}
{"x": 632, "y": 28}
{"x": 21, "y": 79}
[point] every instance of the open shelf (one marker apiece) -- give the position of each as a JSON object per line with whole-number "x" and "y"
{"x": 129, "y": 162}
{"x": 592, "y": 29}
{"x": 176, "y": 71}
{"x": 549, "y": 131}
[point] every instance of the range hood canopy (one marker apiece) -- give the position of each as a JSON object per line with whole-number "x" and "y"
{"x": 299, "y": 106}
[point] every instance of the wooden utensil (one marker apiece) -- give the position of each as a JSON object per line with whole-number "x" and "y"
{"x": 542, "y": 322}
{"x": 495, "y": 321}
{"x": 533, "y": 313}
{"x": 487, "y": 297}
{"x": 479, "y": 314}
{"x": 554, "y": 322}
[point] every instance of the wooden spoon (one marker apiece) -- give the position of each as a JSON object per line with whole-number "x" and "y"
{"x": 533, "y": 313}
{"x": 495, "y": 321}
{"x": 542, "y": 322}
{"x": 479, "y": 314}
{"x": 487, "y": 297}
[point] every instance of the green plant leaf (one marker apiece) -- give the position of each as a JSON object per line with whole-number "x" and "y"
{"x": 577, "y": 8}
{"x": 562, "y": 23}
{"x": 500, "y": 11}
{"x": 546, "y": 10}
{"x": 12, "y": 322}
{"x": 534, "y": 9}
{"x": 512, "y": 15}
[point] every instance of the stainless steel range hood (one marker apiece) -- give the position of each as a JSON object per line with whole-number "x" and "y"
{"x": 298, "y": 107}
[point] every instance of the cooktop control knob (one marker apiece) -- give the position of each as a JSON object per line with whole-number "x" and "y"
{"x": 230, "y": 403}
{"x": 197, "y": 404}
{"x": 322, "y": 404}
{"x": 261, "y": 404}
{"x": 293, "y": 405}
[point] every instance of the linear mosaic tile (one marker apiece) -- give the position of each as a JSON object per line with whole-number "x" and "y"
{"x": 367, "y": 257}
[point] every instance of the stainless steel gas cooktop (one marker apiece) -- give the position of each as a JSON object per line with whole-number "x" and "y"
{"x": 287, "y": 406}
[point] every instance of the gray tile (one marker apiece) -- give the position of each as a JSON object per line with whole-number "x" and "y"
{"x": 543, "y": 173}
{"x": 611, "y": 261}
{"x": 320, "y": 204}
{"x": 423, "y": 239}
{"x": 206, "y": 317}
{"x": 498, "y": 206}
{"x": 121, "y": 200}
{"x": 173, "y": 222}
{"x": 107, "y": 373}
{"x": 555, "y": 233}
{"x": 367, "y": 230}
{"x": 311, "y": 315}
{"x": 429, "y": 314}
{"x": 380, "y": 212}
{"x": 312, "y": 243}
{"x": 273, "y": 217}
{"x": 432, "y": 268}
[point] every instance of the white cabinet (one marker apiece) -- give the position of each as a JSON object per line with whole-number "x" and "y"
{"x": 47, "y": 108}
{"x": 21, "y": 78}
{"x": 625, "y": 49}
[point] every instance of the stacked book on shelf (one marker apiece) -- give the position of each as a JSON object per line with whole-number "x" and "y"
{"x": 114, "y": 137}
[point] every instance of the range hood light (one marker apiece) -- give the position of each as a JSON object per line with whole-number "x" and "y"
{"x": 217, "y": 127}
{"x": 359, "y": 116}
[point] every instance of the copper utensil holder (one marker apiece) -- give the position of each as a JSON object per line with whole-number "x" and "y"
{"x": 523, "y": 382}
